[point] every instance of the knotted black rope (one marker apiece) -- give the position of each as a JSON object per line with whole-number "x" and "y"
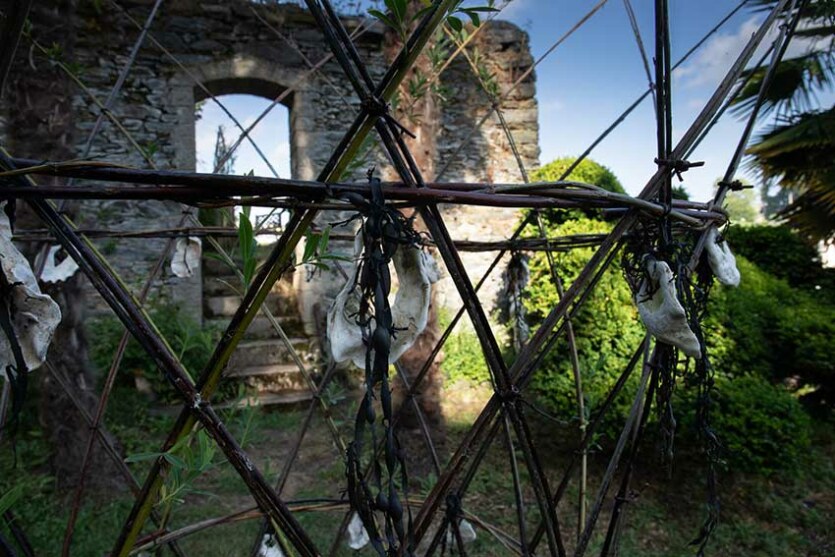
{"x": 453, "y": 517}
{"x": 696, "y": 304}
{"x": 384, "y": 231}
{"x": 378, "y": 108}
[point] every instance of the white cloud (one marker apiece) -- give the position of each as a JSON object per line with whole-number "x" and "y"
{"x": 717, "y": 55}
{"x": 715, "y": 58}
{"x": 696, "y": 104}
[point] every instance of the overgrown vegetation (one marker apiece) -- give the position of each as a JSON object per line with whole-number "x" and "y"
{"x": 191, "y": 343}
{"x": 771, "y": 339}
{"x": 771, "y": 329}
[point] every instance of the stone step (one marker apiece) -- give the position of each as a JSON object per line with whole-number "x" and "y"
{"x": 218, "y": 285}
{"x": 268, "y": 399}
{"x": 273, "y": 379}
{"x": 226, "y": 306}
{"x": 262, "y": 370}
{"x": 254, "y": 353}
{"x": 262, "y": 329}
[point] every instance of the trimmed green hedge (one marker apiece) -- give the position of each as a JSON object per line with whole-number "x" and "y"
{"x": 770, "y": 328}
{"x": 762, "y": 427}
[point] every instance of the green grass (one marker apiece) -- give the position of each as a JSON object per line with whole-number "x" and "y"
{"x": 789, "y": 513}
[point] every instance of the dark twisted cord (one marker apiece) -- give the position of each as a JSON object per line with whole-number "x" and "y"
{"x": 384, "y": 231}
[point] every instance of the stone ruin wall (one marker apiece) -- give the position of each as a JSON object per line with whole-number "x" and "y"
{"x": 223, "y": 45}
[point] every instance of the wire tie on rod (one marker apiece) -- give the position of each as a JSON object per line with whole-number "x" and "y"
{"x": 678, "y": 166}
{"x": 377, "y": 108}
{"x": 735, "y": 185}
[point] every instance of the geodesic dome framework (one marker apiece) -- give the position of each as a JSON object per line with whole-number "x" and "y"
{"x": 659, "y": 237}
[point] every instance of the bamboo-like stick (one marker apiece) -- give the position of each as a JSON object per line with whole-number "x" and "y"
{"x": 276, "y": 264}
{"x": 14, "y": 21}
{"x": 193, "y": 188}
{"x": 115, "y": 293}
{"x": 521, "y": 367}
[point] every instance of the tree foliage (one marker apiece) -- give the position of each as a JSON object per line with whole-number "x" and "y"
{"x": 798, "y": 148}
{"x": 588, "y": 171}
{"x": 607, "y": 328}
{"x": 771, "y": 329}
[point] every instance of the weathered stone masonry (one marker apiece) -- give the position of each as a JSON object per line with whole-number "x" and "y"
{"x": 224, "y": 45}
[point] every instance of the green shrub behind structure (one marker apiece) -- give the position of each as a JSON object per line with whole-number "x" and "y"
{"x": 607, "y": 328}
{"x": 762, "y": 427}
{"x": 759, "y": 334}
{"x": 191, "y": 343}
{"x": 769, "y": 328}
{"x": 588, "y": 171}
{"x": 782, "y": 252}
{"x": 463, "y": 358}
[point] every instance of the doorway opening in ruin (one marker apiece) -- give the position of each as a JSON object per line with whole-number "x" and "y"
{"x": 261, "y": 362}
{"x": 220, "y": 146}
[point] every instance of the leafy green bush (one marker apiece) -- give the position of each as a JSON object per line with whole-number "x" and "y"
{"x": 782, "y": 252}
{"x": 767, "y": 327}
{"x": 606, "y": 328}
{"x": 463, "y": 358}
{"x": 588, "y": 171}
{"x": 761, "y": 426}
{"x": 192, "y": 344}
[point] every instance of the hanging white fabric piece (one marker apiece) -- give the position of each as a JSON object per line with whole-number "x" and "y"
{"x": 34, "y": 314}
{"x": 269, "y": 547}
{"x": 186, "y": 258}
{"x": 722, "y": 261}
{"x": 662, "y": 313}
{"x": 53, "y": 273}
{"x": 357, "y": 534}
{"x": 468, "y": 534}
{"x": 416, "y": 272}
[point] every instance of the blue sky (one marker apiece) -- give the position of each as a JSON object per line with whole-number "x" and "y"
{"x": 581, "y": 88}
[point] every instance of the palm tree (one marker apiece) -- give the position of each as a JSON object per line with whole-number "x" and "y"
{"x": 797, "y": 150}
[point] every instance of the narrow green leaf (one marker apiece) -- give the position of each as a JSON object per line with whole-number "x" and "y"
{"x": 11, "y": 497}
{"x": 249, "y": 271}
{"x": 325, "y": 239}
{"x": 400, "y": 10}
{"x": 473, "y": 17}
{"x": 310, "y": 244}
{"x": 384, "y": 18}
{"x": 455, "y": 23}
{"x": 175, "y": 461}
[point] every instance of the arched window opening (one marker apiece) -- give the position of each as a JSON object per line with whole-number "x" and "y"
{"x": 220, "y": 146}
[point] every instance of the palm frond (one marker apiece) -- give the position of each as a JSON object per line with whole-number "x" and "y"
{"x": 796, "y": 84}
